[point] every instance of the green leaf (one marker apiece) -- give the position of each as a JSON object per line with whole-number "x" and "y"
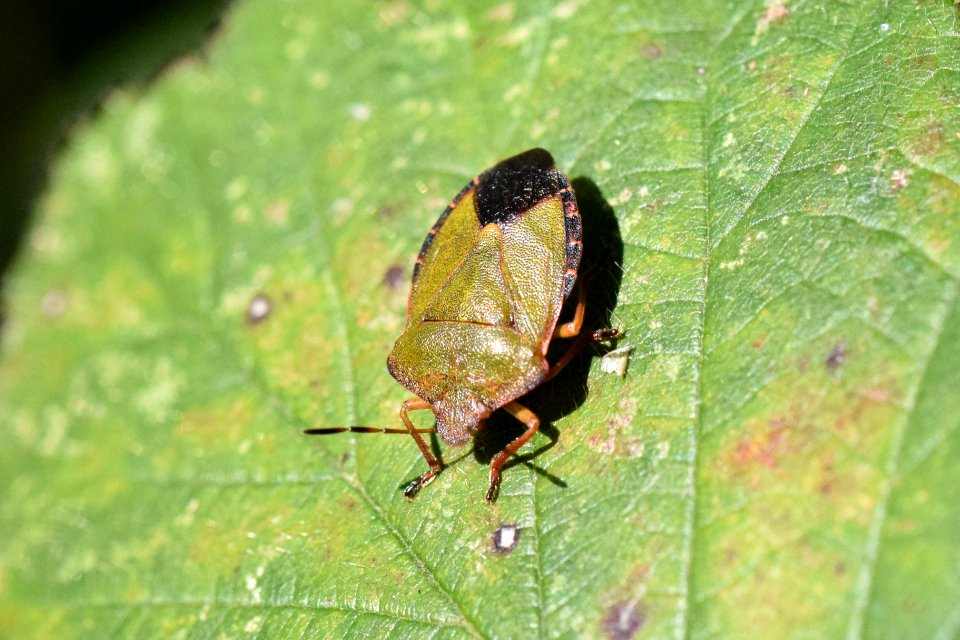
{"x": 780, "y": 458}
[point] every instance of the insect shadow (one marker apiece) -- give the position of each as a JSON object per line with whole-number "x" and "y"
{"x": 601, "y": 272}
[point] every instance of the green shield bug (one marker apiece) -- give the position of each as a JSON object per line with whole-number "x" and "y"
{"x": 488, "y": 286}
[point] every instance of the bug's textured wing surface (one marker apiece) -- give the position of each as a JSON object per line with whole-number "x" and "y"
{"x": 528, "y": 198}
{"x": 449, "y": 242}
{"x": 476, "y": 292}
{"x": 534, "y": 261}
{"x": 501, "y": 253}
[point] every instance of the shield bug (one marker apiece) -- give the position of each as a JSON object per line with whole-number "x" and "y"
{"x": 488, "y": 286}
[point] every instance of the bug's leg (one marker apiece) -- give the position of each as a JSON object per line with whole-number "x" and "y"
{"x": 528, "y": 418}
{"x": 572, "y": 328}
{"x": 582, "y": 340}
{"x": 414, "y": 404}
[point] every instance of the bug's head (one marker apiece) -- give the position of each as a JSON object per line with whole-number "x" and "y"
{"x": 458, "y": 417}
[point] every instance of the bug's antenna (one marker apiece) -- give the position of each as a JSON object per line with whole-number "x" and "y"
{"x": 323, "y": 431}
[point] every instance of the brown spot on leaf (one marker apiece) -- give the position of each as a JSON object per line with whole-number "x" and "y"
{"x": 393, "y": 278}
{"x": 836, "y": 356}
{"x": 925, "y": 61}
{"x": 54, "y": 303}
{"x": 776, "y": 13}
{"x": 500, "y": 13}
{"x": 765, "y": 448}
{"x": 388, "y": 211}
{"x": 392, "y": 13}
{"x": 278, "y": 212}
{"x": 876, "y": 394}
{"x": 652, "y": 51}
{"x": 622, "y": 621}
{"x": 899, "y": 179}
{"x": 259, "y": 309}
{"x": 829, "y": 481}
{"x": 930, "y": 142}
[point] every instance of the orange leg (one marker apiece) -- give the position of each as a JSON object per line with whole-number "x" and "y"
{"x": 572, "y": 328}
{"x": 414, "y": 404}
{"x": 575, "y": 348}
{"x": 528, "y": 418}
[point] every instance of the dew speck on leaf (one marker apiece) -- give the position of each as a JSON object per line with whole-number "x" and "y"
{"x": 505, "y": 538}
{"x": 259, "y": 309}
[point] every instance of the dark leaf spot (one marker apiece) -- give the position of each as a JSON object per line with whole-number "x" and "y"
{"x": 836, "y": 357}
{"x": 652, "y": 51}
{"x": 388, "y": 211}
{"x": 505, "y": 538}
{"x": 259, "y": 309}
{"x": 622, "y": 621}
{"x": 393, "y": 278}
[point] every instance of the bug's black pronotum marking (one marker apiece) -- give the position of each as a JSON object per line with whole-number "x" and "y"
{"x": 515, "y": 185}
{"x": 507, "y": 191}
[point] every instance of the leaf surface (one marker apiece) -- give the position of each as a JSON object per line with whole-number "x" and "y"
{"x": 223, "y": 261}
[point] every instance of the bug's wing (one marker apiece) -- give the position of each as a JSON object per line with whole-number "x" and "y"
{"x": 476, "y": 292}
{"x": 534, "y": 266}
{"x": 449, "y": 242}
{"x": 536, "y": 251}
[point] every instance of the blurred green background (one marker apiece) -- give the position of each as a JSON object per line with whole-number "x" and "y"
{"x": 57, "y": 60}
